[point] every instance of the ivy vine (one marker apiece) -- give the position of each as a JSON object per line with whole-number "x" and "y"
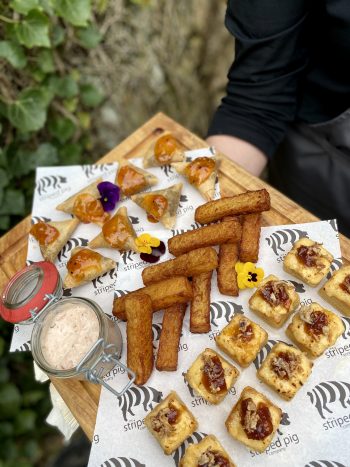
{"x": 46, "y": 106}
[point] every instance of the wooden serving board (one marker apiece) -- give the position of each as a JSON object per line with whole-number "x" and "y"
{"x": 82, "y": 397}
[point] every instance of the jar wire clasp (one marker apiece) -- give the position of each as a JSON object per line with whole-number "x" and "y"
{"x": 93, "y": 374}
{"x": 34, "y": 313}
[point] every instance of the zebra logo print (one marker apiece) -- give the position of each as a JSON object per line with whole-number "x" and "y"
{"x": 183, "y": 200}
{"x": 337, "y": 263}
{"x": 196, "y": 437}
{"x": 333, "y": 224}
{"x": 299, "y": 288}
{"x": 134, "y": 220}
{"x": 194, "y": 226}
{"x": 167, "y": 169}
{"x": 284, "y": 421}
{"x": 135, "y": 396}
{"x": 346, "y": 322}
{"x": 225, "y": 310}
{"x": 36, "y": 219}
{"x": 156, "y": 330}
{"x": 26, "y": 347}
{"x": 96, "y": 169}
{"x": 112, "y": 274}
{"x": 188, "y": 386}
{"x": 328, "y": 392}
{"x": 67, "y": 292}
{"x": 264, "y": 352}
{"x": 119, "y": 293}
{"x": 128, "y": 256}
{"x": 281, "y": 240}
{"x": 49, "y": 183}
{"x": 122, "y": 462}
{"x": 70, "y": 245}
{"x": 324, "y": 463}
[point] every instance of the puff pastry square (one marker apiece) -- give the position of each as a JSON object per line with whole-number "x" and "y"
{"x": 308, "y": 261}
{"x": 170, "y": 422}
{"x": 242, "y": 339}
{"x": 314, "y": 328}
{"x": 201, "y": 173}
{"x": 85, "y": 265}
{"x": 285, "y": 370}
{"x": 208, "y": 452}
{"x": 274, "y": 301}
{"x": 336, "y": 291}
{"x": 167, "y": 199}
{"x": 211, "y": 376}
{"x": 252, "y": 417}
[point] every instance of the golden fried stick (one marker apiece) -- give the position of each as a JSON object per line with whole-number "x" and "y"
{"x": 139, "y": 336}
{"x": 200, "y": 306}
{"x": 168, "y": 349}
{"x": 189, "y": 264}
{"x": 249, "y": 247}
{"x": 163, "y": 294}
{"x": 244, "y": 203}
{"x": 227, "y": 276}
{"x": 210, "y": 235}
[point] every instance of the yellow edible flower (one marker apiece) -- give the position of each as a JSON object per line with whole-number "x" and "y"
{"x": 248, "y": 275}
{"x": 145, "y": 243}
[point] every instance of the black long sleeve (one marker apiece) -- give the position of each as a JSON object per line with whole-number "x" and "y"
{"x": 282, "y": 55}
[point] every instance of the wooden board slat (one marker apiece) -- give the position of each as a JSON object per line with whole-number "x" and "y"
{"x": 82, "y": 397}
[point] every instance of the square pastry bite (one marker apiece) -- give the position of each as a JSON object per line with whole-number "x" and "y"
{"x": 285, "y": 370}
{"x": 170, "y": 422}
{"x": 254, "y": 420}
{"x": 241, "y": 339}
{"x": 211, "y": 376}
{"x": 309, "y": 261}
{"x": 207, "y": 453}
{"x": 274, "y": 300}
{"x": 314, "y": 329}
{"x": 336, "y": 291}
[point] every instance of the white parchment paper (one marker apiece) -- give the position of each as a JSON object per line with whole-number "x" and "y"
{"x": 316, "y": 424}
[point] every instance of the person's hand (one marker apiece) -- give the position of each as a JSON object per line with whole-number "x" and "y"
{"x": 243, "y": 153}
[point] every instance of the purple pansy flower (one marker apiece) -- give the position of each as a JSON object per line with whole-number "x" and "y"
{"x": 110, "y": 195}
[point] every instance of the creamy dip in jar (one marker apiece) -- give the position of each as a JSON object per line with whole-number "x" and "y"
{"x": 68, "y": 334}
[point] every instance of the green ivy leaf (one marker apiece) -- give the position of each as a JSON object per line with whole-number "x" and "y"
{"x": 76, "y": 12}
{"x": 66, "y": 87}
{"x": 70, "y": 154}
{"x": 24, "y": 6}
{"x": 6, "y": 430}
{"x": 13, "y": 53}
{"x": 24, "y": 161}
{"x": 4, "y": 222}
{"x": 57, "y": 36}
{"x": 90, "y": 95}
{"x": 13, "y": 204}
{"x": 45, "y": 61}
{"x": 61, "y": 128}
{"x": 89, "y": 37}
{"x": 31, "y": 450}
{"x": 10, "y": 401}
{"x": 28, "y": 112}
{"x": 25, "y": 421}
{"x": 33, "y": 30}
{"x": 4, "y": 180}
{"x": 4, "y": 377}
{"x": 46, "y": 155}
{"x": 33, "y": 397}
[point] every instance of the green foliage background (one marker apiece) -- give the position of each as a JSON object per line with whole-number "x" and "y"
{"x": 46, "y": 105}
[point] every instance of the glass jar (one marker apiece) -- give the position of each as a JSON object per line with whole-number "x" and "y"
{"x": 72, "y": 337}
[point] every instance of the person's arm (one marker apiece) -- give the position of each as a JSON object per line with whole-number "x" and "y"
{"x": 261, "y": 94}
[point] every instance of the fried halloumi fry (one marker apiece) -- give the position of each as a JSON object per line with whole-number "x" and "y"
{"x": 139, "y": 336}
{"x": 163, "y": 294}
{"x": 210, "y": 235}
{"x": 168, "y": 349}
{"x": 189, "y": 264}
{"x": 200, "y": 305}
{"x": 249, "y": 247}
{"x": 244, "y": 203}
{"x": 227, "y": 276}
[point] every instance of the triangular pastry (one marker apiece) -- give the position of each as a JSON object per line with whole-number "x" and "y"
{"x": 117, "y": 233}
{"x": 85, "y": 265}
{"x": 201, "y": 173}
{"x": 86, "y": 205}
{"x": 163, "y": 151}
{"x": 160, "y": 205}
{"x": 52, "y": 236}
{"x": 132, "y": 179}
